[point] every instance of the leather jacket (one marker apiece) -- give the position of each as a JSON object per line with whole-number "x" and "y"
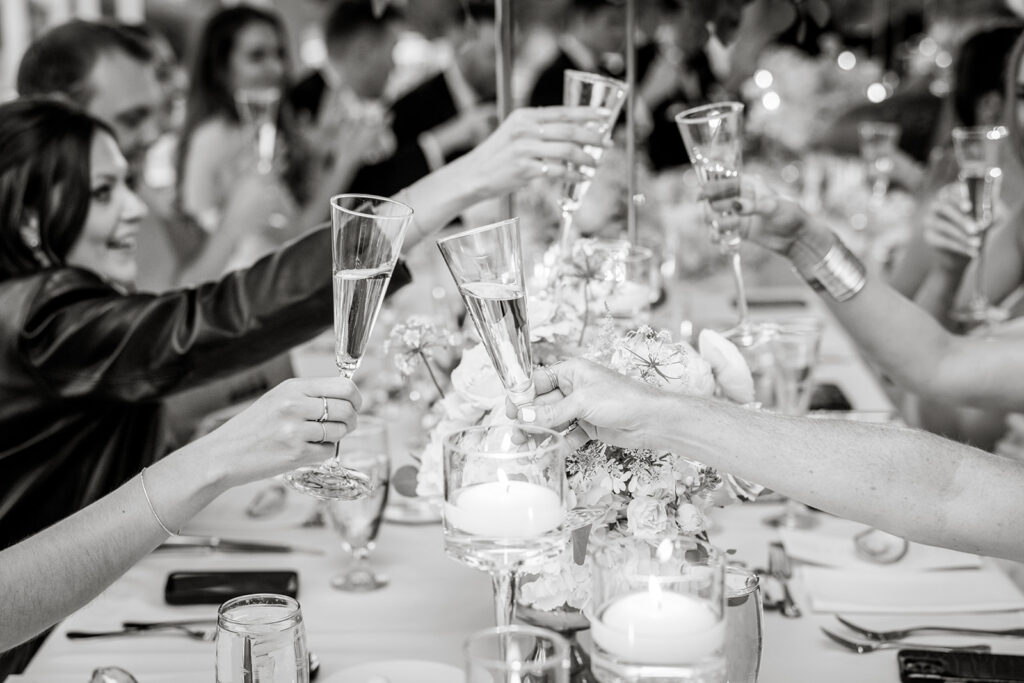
{"x": 83, "y": 368}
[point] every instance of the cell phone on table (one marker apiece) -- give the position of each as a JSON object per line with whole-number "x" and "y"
{"x": 216, "y": 587}
{"x": 828, "y": 396}
{"x": 924, "y": 666}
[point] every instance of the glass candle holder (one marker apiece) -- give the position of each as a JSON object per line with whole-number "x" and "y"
{"x": 744, "y": 625}
{"x": 657, "y": 611}
{"x": 515, "y": 654}
{"x": 261, "y": 639}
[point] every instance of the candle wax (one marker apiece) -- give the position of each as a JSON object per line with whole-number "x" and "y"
{"x": 667, "y": 628}
{"x": 510, "y": 509}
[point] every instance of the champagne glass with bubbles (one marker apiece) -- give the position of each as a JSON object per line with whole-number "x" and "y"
{"x": 487, "y": 264}
{"x": 367, "y": 234}
{"x": 713, "y": 135}
{"x": 583, "y": 89}
{"x": 977, "y": 152}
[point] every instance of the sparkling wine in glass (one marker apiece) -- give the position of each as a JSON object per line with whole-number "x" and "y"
{"x": 257, "y": 109}
{"x": 357, "y": 522}
{"x": 977, "y": 152}
{"x": 367, "y": 234}
{"x": 581, "y": 89}
{"x": 713, "y": 135}
{"x": 487, "y": 264}
{"x": 878, "y": 141}
{"x": 504, "y": 502}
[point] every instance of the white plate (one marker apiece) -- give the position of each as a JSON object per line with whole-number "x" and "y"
{"x": 399, "y": 671}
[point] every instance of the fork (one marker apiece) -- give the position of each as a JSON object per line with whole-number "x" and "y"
{"x": 903, "y": 633}
{"x": 780, "y": 568}
{"x": 862, "y": 647}
{"x": 206, "y": 635}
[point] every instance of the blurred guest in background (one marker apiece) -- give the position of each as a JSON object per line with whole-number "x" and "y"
{"x": 594, "y": 30}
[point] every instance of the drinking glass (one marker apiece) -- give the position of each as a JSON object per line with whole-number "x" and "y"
{"x": 744, "y": 625}
{"x": 367, "y": 234}
{"x": 487, "y": 264}
{"x": 261, "y": 639}
{"x": 657, "y": 611}
{"x": 878, "y": 141}
{"x": 582, "y": 89}
{"x": 504, "y": 502}
{"x": 617, "y": 278}
{"x": 514, "y": 654}
{"x": 257, "y": 109}
{"x": 713, "y": 135}
{"x": 795, "y": 347}
{"x": 978, "y": 152}
{"x": 358, "y": 521}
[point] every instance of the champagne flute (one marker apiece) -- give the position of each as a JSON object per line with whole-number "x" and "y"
{"x": 977, "y": 152}
{"x": 358, "y": 521}
{"x": 504, "y": 502}
{"x": 581, "y": 89}
{"x": 487, "y": 264}
{"x": 713, "y": 135}
{"x": 367, "y": 234}
{"x": 257, "y": 108}
{"x": 878, "y": 150}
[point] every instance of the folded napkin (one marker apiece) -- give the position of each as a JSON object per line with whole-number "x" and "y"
{"x": 837, "y": 550}
{"x": 855, "y": 591}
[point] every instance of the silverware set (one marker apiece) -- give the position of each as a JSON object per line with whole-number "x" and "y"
{"x": 781, "y": 569}
{"x": 204, "y": 630}
{"x": 871, "y": 640}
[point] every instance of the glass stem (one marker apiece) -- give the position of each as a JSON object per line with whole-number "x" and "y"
{"x": 741, "y": 290}
{"x": 504, "y": 583}
{"x": 566, "y": 233}
{"x": 980, "y": 302}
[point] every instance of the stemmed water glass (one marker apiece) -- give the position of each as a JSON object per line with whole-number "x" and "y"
{"x": 257, "y": 108}
{"x": 504, "y": 502}
{"x": 977, "y": 152}
{"x": 713, "y": 135}
{"x": 878, "y": 152}
{"x": 487, "y": 264}
{"x": 358, "y": 521}
{"x": 581, "y": 89}
{"x": 367, "y": 234}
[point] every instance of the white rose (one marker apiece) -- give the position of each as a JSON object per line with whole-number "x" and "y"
{"x": 430, "y": 480}
{"x": 728, "y": 365}
{"x": 690, "y": 519}
{"x": 646, "y": 518}
{"x": 476, "y": 381}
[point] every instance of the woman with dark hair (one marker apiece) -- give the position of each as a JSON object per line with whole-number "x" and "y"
{"x": 242, "y": 48}
{"x": 85, "y": 363}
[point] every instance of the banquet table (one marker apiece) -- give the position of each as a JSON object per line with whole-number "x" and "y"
{"x": 432, "y": 602}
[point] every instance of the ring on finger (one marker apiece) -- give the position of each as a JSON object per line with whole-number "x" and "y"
{"x": 544, "y": 168}
{"x": 552, "y": 379}
{"x": 323, "y": 432}
{"x": 324, "y": 414}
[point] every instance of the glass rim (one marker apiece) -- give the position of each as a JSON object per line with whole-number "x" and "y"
{"x": 713, "y": 552}
{"x": 700, "y": 115}
{"x": 879, "y": 127}
{"x": 748, "y": 575}
{"x": 372, "y": 197}
{"x": 285, "y": 600}
{"x": 473, "y": 231}
{"x": 261, "y": 89}
{"x": 558, "y": 640}
{"x": 558, "y": 441}
{"x": 983, "y": 132}
{"x": 590, "y": 77}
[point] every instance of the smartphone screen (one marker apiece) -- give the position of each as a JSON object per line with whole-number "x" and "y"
{"x": 213, "y": 588}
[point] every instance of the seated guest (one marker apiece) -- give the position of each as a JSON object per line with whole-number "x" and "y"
{"x": 86, "y": 363}
{"x": 243, "y": 48}
{"x": 58, "y": 570}
{"x": 595, "y": 28}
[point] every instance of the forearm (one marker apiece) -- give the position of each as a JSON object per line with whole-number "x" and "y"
{"x": 937, "y": 295}
{"x": 334, "y": 180}
{"x": 60, "y": 569}
{"x": 439, "y": 198}
{"x": 910, "y": 483}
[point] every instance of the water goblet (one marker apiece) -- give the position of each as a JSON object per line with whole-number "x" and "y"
{"x": 504, "y": 502}
{"x": 978, "y": 153}
{"x": 367, "y": 233}
{"x": 795, "y": 347}
{"x": 358, "y": 521}
{"x": 582, "y": 89}
{"x": 657, "y": 611}
{"x": 616, "y": 278}
{"x": 487, "y": 264}
{"x": 744, "y": 625}
{"x": 878, "y": 141}
{"x": 713, "y": 136}
{"x": 261, "y": 639}
{"x": 514, "y": 654}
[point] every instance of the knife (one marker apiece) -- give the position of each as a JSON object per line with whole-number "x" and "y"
{"x": 230, "y": 546}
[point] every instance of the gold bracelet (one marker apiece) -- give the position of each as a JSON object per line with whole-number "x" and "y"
{"x": 142, "y": 479}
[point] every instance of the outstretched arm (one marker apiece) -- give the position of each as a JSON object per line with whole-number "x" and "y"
{"x": 910, "y": 483}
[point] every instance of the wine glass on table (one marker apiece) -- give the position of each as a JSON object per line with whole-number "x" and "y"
{"x": 504, "y": 502}
{"x": 358, "y": 521}
{"x": 487, "y": 264}
{"x": 583, "y": 89}
{"x": 367, "y": 233}
{"x": 713, "y": 135}
{"x": 977, "y": 151}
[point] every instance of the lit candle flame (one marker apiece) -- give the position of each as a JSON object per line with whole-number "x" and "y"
{"x": 655, "y": 591}
{"x": 664, "y": 552}
{"x": 503, "y": 479}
